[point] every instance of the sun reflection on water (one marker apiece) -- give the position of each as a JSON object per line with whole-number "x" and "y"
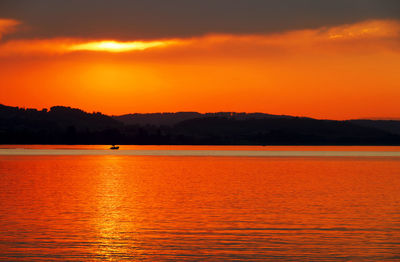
{"x": 114, "y": 220}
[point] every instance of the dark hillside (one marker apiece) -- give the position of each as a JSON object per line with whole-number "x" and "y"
{"x": 65, "y": 125}
{"x": 170, "y": 119}
{"x": 57, "y": 125}
{"x": 391, "y": 126}
{"x": 283, "y": 131}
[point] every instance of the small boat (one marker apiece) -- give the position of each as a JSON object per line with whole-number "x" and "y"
{"x": 114, "y": 147}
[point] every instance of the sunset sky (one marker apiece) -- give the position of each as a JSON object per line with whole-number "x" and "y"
{"x": 325, "y": 59}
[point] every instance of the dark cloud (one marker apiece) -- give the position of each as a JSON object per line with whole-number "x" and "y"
{"x": 145, "y": 19}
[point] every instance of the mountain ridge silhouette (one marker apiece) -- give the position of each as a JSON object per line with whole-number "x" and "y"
{"x": 66, "y": 125}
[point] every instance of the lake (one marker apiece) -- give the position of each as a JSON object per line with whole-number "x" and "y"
{"x": 199, "y": 203}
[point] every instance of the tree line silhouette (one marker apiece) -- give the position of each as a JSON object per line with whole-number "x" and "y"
{"x": 65, "y": 125}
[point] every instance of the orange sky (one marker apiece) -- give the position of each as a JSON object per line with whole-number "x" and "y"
{"x": 342, "y": 72}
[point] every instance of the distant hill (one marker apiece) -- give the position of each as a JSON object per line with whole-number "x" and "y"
{"x": 58, "y": 125}
{"x": 170, "y": 119}
{"x": 59, "y": 115}
{"x": 157, "y": 119}
{"x": 283, "y": 131}
{"x": 65, "y": 125}
{"x": 391, "y": 126}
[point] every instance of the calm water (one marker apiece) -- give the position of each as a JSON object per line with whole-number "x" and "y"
{"x": 216, "y": 208}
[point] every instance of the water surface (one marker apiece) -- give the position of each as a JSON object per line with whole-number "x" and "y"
{"x": 266, "y": 151}
{"x": 216, "y": 208}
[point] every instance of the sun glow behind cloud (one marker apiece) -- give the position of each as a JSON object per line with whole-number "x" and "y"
{"x": 375, "y": 33}
{"x": 65, "y": 46}
{"x": 116, "y": 47}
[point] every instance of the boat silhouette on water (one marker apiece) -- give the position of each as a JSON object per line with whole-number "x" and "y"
{"x": 114, "y": 147}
